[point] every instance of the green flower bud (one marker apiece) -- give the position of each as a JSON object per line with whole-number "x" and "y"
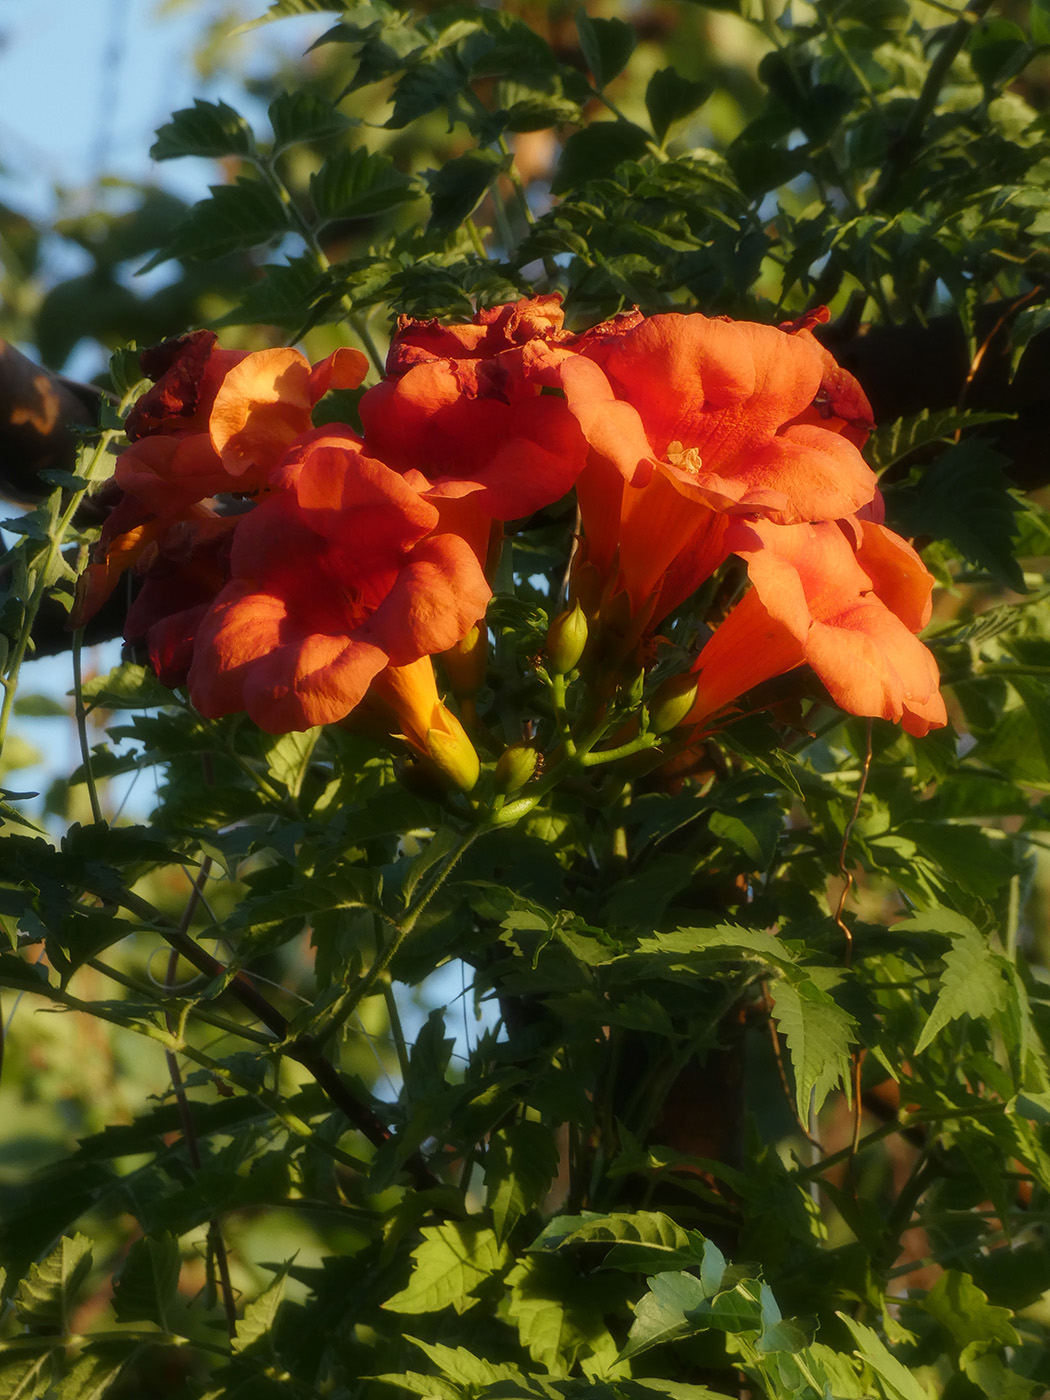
{"x": 566, "y": 639}
{"x": 452, "y": 753}
{"x": 516, "y": 766}
{"x": 672, "y": 702}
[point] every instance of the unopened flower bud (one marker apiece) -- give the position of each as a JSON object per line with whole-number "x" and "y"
{"x": 672, "y": 702}
{"x": 515, "y": 767}
{"x": 566, "y": 639}
{"x": 452, "y": 753}
{"x": 632, "y": 694}
{"x": 464, "y": 663}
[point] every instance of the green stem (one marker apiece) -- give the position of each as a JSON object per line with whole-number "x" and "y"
{"x": 196, "y": 1009}
{"x": 60, "y": 523}
{"x": 352, "y": 998}
{"x": 82, "y": 734}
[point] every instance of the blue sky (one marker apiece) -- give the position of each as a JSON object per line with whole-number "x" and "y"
{"x": 85, "y": 83}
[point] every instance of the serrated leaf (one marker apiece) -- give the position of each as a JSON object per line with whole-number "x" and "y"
{"x": 607, "y": 44}
{"x": 964, "y": 1310}
{"x": 211, "y": 129}
{"x": 667, "y": 1311}
{"x": 595, "y": 152}
{"x": 45, "y": 1296}
{"x": 724, "y": 943}
{"x": 520, "y": 1165}
{"x": 463, "y": 1366}
{"x": 300, "y": 116}
{"x": 899, "y": 1382}
{"x": 557, "y": 1314}
{"x": 255, "y": 1328}
{"x": 818, "y": 1034}
{"x": 459, "y": 186}
{"x": 894, "y": 441}
{"x": 95, "y": 1370}
{"x": 25, "y": 1367}
{"x": 284, "y": 9}
{"x": 289, "y": 756}
{"x": 453, "y": 1260}
{"x": 126, "y": 687}
{"x": 243, "y": 215}
{"x": 148, "y": 1281}
{"x": 964, "y": 497}
{"x": 358, "y": 185}
{"x": 972, "y": 984}
{"x": 285, "y": 295}
{"x": 670, "y": 98}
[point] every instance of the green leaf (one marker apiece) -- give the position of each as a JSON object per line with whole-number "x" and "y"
{"x": 243, "y": 215}
{"x": 520, "y": 1165}
{"x": 972, "y": 984}
{"x": 964, "y": 1310}
{"x": 459, "y": 186}
{"x": 211, "y": 129}
{"x": 997, "y": 48}
{"x": 358, "y": 185}
{"x": 670, "y": 98}
{"x": 463, "y": 1366}
{"x": 558, "y": 1314}
{"x": 285, "y": 295}
{"x": 289, "y": 756}
{"x": 25, "y": 1366}
{"x": 1037, "y": 703}
{"x": 95, "y": 1370}
{"x": 284, "y": 9}
{"x": 127, "y": 687}
{"x": 300, "y": 116}
{"x": 595, "y": 152}
{"x": 148, "y": 1281}
{"x": 755, "y": 827}
{"x": 1039, "y": 20}
{"x": 41, "y": 707}
{"x": 964, "y": 497}
{"x": 46, "y": 1295}
{"x": 892, "y": 442}
{"x": 453, "y": 1260}
{"x": 607, "y": 44}
{"x": 670, "y": 1309}
{"x": 899, "y": 1382}
{"x": 818, "y": 1034}
{"x": 255, "y": 1328}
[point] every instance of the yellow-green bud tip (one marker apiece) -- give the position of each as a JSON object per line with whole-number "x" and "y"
{"x": 566, "y": 639}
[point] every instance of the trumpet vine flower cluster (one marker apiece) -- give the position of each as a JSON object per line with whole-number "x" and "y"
{"x": 309, "y": 574}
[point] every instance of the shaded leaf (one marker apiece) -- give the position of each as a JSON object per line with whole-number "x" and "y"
{"x": 596, "y": 151}
{"x": 964, "y": 497}
{"x": 46, "y": 1295}
{"x": 304, "y": 116}
{"x": 358, "y": 184}
{"x": 894, "y": 441}
{"x": 607, "y": 44}
{"x": 148, "y": 1281}
{"x": 453, "y": 1260}
{"x": 211, "y": 129}
{"x": 459, "y": 186}
{"x": 243, "y": 215}
{"x": 670, "y": 98}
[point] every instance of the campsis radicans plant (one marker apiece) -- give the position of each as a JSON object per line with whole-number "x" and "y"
{"x": 309, "y": 575}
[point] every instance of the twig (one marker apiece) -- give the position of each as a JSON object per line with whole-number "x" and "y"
{"x": 216, "y": 1243}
